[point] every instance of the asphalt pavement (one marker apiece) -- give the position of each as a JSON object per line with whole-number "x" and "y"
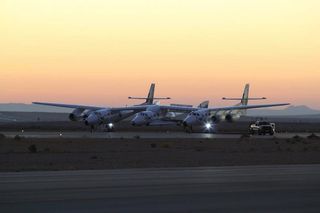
{"x": 288, "y": 188}
{"x": 128, "y": 135}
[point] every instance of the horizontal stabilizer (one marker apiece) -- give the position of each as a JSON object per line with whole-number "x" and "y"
{"x": 239, "y": 99}
{"x": 140, "y": 98}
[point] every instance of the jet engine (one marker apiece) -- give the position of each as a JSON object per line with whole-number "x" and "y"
{"x": 171, "y": 115}
{"x": 76, "y": 114}
{"x": 143, "y": 118}
{"x": 98, "y": 117}
{"x": 218, "y": 118}
{"x": 93, "y": 119}
{"x": 232, "y": 117}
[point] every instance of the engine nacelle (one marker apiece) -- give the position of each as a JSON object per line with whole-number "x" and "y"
{"x": 218, "y": 118}
{"x": 93, "y": 119}
{"x": 99, "y": 117}
{"x": 86, "y": 114}
{"x": 76, "y": 115}
{"x": 143, "y": 118}
{"x": 171, "y": 115}
{"x": 232, "y": 117}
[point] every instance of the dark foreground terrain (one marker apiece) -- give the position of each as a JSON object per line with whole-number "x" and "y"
{"x": 276, "y": 188}
{"x": 28, "y": 154}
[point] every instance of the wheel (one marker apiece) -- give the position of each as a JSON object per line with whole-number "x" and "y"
{"x": 188, "y": 129}
{"x": 109, "y": 129}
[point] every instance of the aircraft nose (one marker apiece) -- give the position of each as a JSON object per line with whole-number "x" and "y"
{"x": 92, "y": 119}
{"x": 137, "y": 121}
{"x": 189, "y": 121}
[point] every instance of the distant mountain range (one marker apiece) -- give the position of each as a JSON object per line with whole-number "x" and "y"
{"x": 291, "y": 110}
{"x": 17, "y": 107}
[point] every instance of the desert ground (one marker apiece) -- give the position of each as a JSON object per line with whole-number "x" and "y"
{"x": 29, "y": 154}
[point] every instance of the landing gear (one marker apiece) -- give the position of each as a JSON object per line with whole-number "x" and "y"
{"x": 188, "y": 129}
{"x": 110, "y": 127}
{"x": 209, "y": 127}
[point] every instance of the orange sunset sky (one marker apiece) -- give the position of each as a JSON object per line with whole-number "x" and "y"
{"x": 99, "y": 52}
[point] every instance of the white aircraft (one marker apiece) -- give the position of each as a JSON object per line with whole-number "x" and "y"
{"x": 234, "y": 115}
{"x": 149, "y": 113}
{"x": 155, "y": 115}
{"x": 150, "y": 98}
{"x": 196, "y": 116}
{"x": 94, "y": 116}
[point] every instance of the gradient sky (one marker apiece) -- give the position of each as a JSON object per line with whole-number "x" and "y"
{"x": 99, "y": 52}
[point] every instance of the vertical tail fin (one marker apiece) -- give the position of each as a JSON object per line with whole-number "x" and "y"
{"x": 204, "y": 104}
{"x": 150, "y": 97}
{"x": 245, "y": 96}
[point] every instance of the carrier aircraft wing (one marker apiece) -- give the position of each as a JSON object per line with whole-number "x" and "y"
{"x": 71, "y": 106}
{"x": 247, "y": 107}
{"x": 84, "y": 107}
{"x": 216, "y": 109}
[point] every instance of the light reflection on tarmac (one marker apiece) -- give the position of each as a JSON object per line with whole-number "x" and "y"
{"x": 132, "y": 135}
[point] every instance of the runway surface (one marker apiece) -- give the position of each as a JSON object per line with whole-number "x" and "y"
{"x": 128, "y": 135}
{"x": 294, "y": 188}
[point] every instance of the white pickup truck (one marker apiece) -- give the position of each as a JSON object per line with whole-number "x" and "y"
{"x": 262, "y": 128}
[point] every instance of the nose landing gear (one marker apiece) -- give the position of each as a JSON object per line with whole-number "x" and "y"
{"x": 110, "y": 127}
{"x": 187, "y": 128}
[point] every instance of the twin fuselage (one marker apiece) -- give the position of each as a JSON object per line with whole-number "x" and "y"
{"x": 154, "y": 113}
{"x": 149, "y": 113}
